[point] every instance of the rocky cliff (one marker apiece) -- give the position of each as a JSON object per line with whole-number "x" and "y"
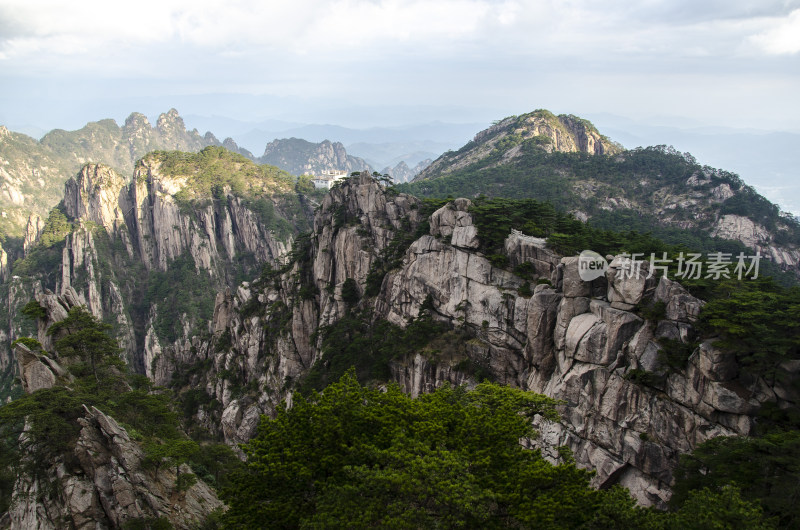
{"x": 101, "y": 480}
{"x": 300, "y": 157}
{"x": 33, "y": 172}
{"x": 402, "y": 173}
{"x": 148, "y": 255}
{"x": 265, "y": 333}
{"x": 372, "y": 255}
{"x": 582, "y": 342}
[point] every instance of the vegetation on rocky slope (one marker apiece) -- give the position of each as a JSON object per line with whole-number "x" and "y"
{"x": 215, "y": 172}
{"x": 357, "y": 457}
{"x": 644, "y": 189}
{"x": 40, "y": 429}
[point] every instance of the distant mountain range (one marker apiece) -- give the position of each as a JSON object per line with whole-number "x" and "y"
{"x": 33, "y": 171}
{"x": 378, "y": 146}
{"x": 298, "y": 156}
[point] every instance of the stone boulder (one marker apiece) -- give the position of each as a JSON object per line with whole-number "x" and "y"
{"x": 628, "y": 281}
{"x": 679, "y": 304}
{"x": 36, "y": 371}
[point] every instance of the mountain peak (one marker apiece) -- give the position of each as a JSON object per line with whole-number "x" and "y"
{"x": 170, "y": 120}
{"x": 507, "y": 138}
{"x": 136, "y": 120}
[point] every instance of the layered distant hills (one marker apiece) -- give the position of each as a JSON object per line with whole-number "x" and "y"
{"x": 33, "y": 171}
{"x": 300, "y": 157}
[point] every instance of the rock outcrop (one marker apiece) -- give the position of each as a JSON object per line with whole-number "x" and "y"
{"x": 659, "y": 188}
{"x": 37, "y": 371}
{"x": 104, "y": 485}
{"x": 265, "y": 333}
{"x": 626, "y": 413}
{"x": 403, "y": 173}
{"x": 119, "y": 227}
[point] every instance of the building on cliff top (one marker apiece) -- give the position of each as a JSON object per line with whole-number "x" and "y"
{"x": 327, "y": 178}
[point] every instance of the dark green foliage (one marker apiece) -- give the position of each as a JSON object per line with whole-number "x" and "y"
{"x": 635, "y": 174}
{"x": 185, "y": 481}
{"x": 357, "y": 457}
{"x": 525, "y": 290}
{"x": 766, "y": 469}
{"x": 30, "y": 342}
{"x": 495, "y": 218}
{"x": 33, "y": 310}
{"x": 675, "y": 353}
{"x": 357, "y": 341}
{"x": 45, "y": 257}
{"x": 172, "y": 452}
{"x": 652, "y": 310}
{"x": 215, "y": 173}
{"x": 100, "y": 381}
{"x": 758, "y": 321}
{"x": 224, "y": 342}
{"x": 51, "y": 414}
{"x": 178, "y": 290}
{"x": 215, "y": 463}
{"x": 83, "y": 337}
{"x": 717, "y": 508}
{"x": 350, "y": 294}
{"x": 217, "y": 168}
{"x": 56, "y": 228}
{"x": 642, "y": 377}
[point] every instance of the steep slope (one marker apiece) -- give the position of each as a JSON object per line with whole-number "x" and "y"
{"x": 78, "y": 467}
{"x": 266, "y": 334}
{"x": 33, "y": 172}
{"x": 300, "y": 157}
{"x": 148, "y": 256}
{"x": 374, "y": 266}
{"x": 654, "y": 189}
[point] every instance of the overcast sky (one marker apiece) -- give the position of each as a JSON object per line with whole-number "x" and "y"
{"x": 364, "y": 62}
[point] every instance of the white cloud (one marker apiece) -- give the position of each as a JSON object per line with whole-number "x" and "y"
{"x": 783, "y": 37}
{"x": 98, "y": 34}
{"x": 416, "y": 50}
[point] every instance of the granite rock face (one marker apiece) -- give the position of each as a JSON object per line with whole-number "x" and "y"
{"x": 104, "y": 485}
{"x": 300, "y": 157}
{"x": 265, "y": 333}
{"x": 147, "y": 228}
{"x": 581, "y": 342}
